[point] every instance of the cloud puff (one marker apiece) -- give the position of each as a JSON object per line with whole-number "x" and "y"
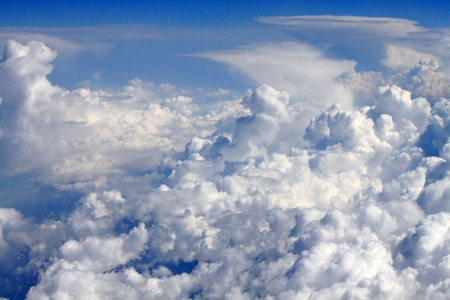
{"x": 424, "y": 80}
{"x": 237, "y": 199}
{"x": 13, "y": 229}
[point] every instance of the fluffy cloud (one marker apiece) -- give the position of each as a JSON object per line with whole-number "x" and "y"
{"x": 424, "y": 80}
{"x": 90, "y": 132}
{"x": 13, "y": 230}
{"x": 237, "y": 199}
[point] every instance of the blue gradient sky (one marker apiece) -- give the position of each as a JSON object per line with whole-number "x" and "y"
{"x": 207, "y": 13}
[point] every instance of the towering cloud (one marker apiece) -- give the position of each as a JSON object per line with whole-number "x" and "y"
{"x": 302, "y": 70}
{"x": 280, "y": 194}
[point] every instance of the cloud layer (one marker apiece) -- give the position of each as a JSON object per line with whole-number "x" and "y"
{"x": 333, "y": 184}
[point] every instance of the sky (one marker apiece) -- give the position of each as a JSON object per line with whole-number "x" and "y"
{"x": 234, "y": 150}
{"x": 111, "y": 37}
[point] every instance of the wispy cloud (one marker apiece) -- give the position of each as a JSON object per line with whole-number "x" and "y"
{"x": 390, "y": 27}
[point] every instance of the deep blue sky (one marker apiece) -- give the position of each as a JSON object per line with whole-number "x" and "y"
{"x": 208, "y": 13}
